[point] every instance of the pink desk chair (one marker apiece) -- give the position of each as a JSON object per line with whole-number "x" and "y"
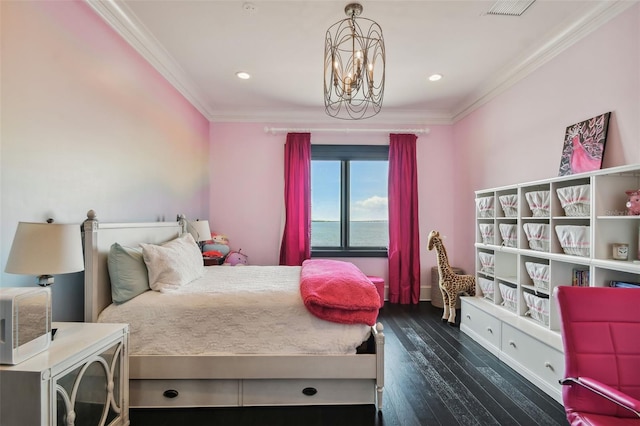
{"x": 601, "y": 337}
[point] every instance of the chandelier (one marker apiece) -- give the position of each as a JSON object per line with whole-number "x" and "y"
{"x": 353, "y": 67}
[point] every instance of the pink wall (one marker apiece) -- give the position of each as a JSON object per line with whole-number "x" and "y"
{"x": 247, "y": 189}
{"x": 518, "y": 136}
{"x": 247, "y": 168}
{"x": 88, "y": 124}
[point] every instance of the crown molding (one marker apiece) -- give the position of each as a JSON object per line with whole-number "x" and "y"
{"x": 597, "y": 17}
{"x": 126, "y": 24}
{"x": 319, "y": 116}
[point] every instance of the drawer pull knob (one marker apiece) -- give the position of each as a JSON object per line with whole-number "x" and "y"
{"x": 468, "y": 316}
{"x": 489, "y": 330}
{"x": 512, "y": 343}
{"x": 309, "y": 391}
{"x": 170, "y": 393}
{"x": 549, "y": 366}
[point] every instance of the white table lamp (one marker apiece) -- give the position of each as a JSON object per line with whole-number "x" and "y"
{"x": 200, "y": 231}
{"x": 46, "y": 249}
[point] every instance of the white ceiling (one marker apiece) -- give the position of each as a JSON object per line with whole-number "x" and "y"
{"x": 199, "y": 45}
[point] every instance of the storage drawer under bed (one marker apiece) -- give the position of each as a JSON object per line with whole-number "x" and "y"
{"x": 308, "y": 392}
{"x": 184, "y": 393}
{"x": 230, "y": 393}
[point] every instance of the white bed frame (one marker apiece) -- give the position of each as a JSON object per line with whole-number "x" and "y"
{"x": 225, "y": 380}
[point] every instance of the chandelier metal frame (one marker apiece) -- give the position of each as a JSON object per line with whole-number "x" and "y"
{"x": 354, "y": 67}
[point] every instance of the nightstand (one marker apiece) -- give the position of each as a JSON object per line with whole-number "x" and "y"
{"x": 212, "y": 261}
{"x": 84, "y": 375}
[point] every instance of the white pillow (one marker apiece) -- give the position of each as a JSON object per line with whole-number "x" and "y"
{"x": 174, "y": 263}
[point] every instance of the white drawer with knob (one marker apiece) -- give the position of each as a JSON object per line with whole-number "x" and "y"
{"x": 303, "y": 392}
{"x": 482, "y": 326}
{"x": 535, "y": 360}
{"x": 184, "y": 393}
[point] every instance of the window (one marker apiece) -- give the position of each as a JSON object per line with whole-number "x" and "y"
{"x": 349, "y": 213}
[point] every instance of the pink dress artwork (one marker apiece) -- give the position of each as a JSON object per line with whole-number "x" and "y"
{"x": 581, "y": 160}
{"x": 584, "y": 143}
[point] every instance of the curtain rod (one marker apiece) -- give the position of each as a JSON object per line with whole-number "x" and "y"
{"x": 274, "y": 130}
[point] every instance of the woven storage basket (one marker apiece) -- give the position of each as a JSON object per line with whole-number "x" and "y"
{"x": 487, "y": 287}
{"x": 486, "y": 262}
{"x": 538, "y": 235}
{"x": 574, "y": 240}
{"x": 538, "y": 307}
{"x": 575, "y": 200}
{"x": 539, "y": 273}
{"x": 436, "y": 294}
{"x": 509, "y": 234}
{"x": 538, "y": 203}
{"x": 509, "y": 204}
{"x": 486, "y": 232}
{"x": 485, "y": 206}
{"x": 509, "y": 297}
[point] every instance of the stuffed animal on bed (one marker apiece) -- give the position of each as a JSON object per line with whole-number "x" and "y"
{"x": 213, "y": 254}
{"x": 219, "y": 243}
{"x": 236, "y": 258}
{"x": 219, "y": 239}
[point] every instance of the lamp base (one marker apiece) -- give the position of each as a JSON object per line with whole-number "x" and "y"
{"x": 45, "y": 280}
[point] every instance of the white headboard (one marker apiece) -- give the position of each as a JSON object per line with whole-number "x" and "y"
{"x": 98, "y": 238}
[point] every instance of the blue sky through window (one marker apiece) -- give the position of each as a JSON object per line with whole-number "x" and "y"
{"x": 368, "y": 190}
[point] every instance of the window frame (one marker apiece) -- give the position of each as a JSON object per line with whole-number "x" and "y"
{"x": 345, "y": 154}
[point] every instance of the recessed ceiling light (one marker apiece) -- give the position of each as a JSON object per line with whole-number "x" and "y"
{"x": 435, "y": 77}
{"x": 243, "y": 75}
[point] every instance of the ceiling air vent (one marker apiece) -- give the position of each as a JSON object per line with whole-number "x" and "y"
{"x": 509, "y": 7}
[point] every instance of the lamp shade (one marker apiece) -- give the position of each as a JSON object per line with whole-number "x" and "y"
{"x": 200, "y": 230}
{"x": 45, "y": 249}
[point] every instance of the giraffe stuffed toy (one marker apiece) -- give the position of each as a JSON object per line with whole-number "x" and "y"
{"x": 451, "y": 284}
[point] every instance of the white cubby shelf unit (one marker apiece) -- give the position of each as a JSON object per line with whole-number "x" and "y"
{"x": 584, "y": 215}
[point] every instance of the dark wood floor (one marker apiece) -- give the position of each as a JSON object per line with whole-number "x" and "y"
{"x": 434, "y": 375}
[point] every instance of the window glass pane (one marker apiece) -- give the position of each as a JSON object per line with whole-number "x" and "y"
{"x": 368, "y": 210}
{"x": 325, "y": 204}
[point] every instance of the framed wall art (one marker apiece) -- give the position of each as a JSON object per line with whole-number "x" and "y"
{"x": 584, "y": 144}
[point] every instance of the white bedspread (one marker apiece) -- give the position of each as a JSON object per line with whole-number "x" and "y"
{"x": 233, "y": 310}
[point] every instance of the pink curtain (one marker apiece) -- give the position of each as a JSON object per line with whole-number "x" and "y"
{"x": 296, "y": 239}
{"x": 404, "y": 237}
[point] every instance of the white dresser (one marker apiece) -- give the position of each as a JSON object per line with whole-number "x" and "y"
{"x": 82, "y": 379}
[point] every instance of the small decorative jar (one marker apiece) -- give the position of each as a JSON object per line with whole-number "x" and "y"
{"x": 620, "y": 251}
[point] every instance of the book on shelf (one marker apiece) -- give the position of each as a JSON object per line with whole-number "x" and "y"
{"x": 624, "y": 284}
{"x": 580, "y": 278}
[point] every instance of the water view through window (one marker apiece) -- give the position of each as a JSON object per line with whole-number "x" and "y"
{"x": 368, "y": 223}
{"x": 363, "y": 234}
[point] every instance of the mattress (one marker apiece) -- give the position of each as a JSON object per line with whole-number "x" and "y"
{"x": 232, "y": 310}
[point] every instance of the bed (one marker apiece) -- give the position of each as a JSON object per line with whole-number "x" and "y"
{"x": 163, "y": 377}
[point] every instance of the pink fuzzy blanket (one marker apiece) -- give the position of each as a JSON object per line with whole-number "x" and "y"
{"x": 338, "y": 291}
